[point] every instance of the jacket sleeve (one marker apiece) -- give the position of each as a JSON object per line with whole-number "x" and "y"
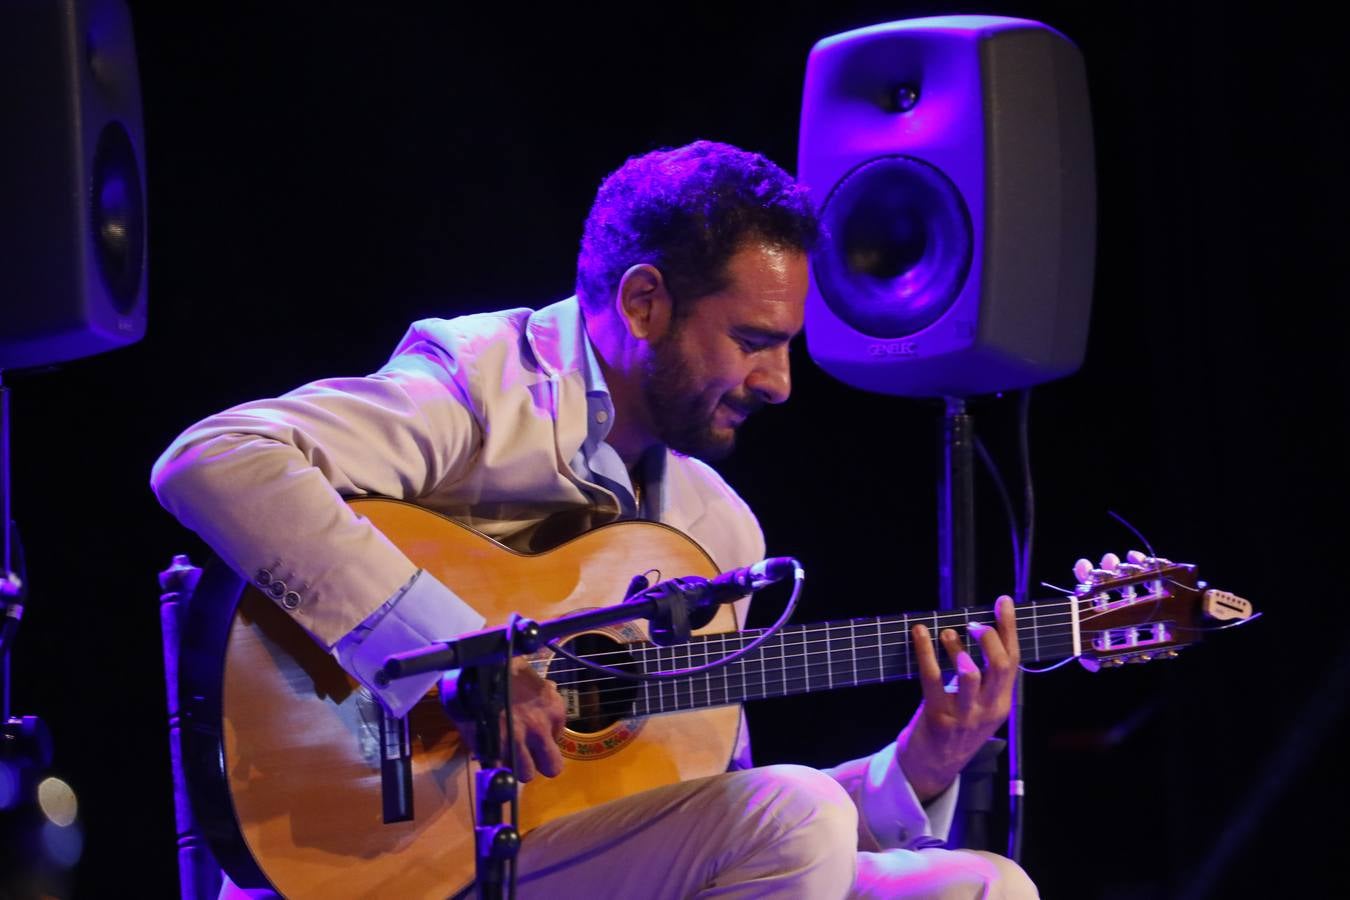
{"x": 889, "y": 812}
{"x": 263, "y": 483}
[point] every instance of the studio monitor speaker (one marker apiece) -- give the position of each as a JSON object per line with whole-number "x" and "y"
{"x": 72, "y": 177}
{"x": 952, "y": 161}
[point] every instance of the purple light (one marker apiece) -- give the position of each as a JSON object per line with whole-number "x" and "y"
{"x": 63, "y": 844}
{"x": 9, "y": 785}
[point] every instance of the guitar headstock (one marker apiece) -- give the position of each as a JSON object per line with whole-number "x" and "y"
{"x": 1144, "y": 608}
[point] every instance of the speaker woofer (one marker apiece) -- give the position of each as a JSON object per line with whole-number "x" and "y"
{"x": 117, "y": 216}
{"x": 901, "y": 247}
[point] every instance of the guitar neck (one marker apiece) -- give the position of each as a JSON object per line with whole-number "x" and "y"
{"x": 806, "y": 658}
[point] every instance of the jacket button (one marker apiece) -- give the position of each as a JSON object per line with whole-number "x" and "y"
{"x": 277, "y": 589}
{"x": 291, "y": 600}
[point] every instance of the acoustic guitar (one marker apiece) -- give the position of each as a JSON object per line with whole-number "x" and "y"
{"x": 300, "y": 780}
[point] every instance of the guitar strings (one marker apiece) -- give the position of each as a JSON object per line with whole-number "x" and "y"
{"x": 1024, "y": 627}
{"x": 683, "y": 696}
{"x": 789, "y": 679}
{"x": 647, "y": 653}
{"x": 831, "y": 632}
{"x": 812, "y": 663}
{"x": 1048, "y": 645}
{"x": 872, "y": 639}
{"x": 704, "y": 651}
{"x": 688, "y": 693}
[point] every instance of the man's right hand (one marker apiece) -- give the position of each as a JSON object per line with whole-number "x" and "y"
{"x": 538, "y": 714}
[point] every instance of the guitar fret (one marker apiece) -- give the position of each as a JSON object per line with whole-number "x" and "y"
{"x": 1035, "y": 635}
{"x": 653, "y": 657}
{"x": 853, "y": 655}
{"x": 806, "y": 662}
{"x": 763, "y": 687}
{"x": 965, "y": 636}
{"x": 937, "y": 643}
{"x": 801, "y": 672}
{"x": 726, "y": 687}
{"x": 909, "y": 664}
{"x": 801, "y": 676}
{"x": 705, "y": 649}
{"x": 743, "y": 670}
{"x": 836, "y": 642}
{"x": 646, "y": 685}
{"x": 881, "y": 656}
{"x": 691, "y": 679}
{"x": 689, "y": 664}
{"x": 825, "y": 652}
{"x": 666, "y": 665}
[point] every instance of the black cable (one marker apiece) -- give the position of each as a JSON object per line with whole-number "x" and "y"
{"x": 1016, "y": 784}
{"x": 1029, "y": 500}
{"x": 1008, "y": 511}
{"x": 797, "y": 578}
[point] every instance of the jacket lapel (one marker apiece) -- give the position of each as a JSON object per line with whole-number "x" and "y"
{"x": 683, "y": 506}
{"x": 556, "y": 335}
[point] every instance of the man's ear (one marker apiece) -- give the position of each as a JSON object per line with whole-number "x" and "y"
{"x": 643, "y": 302}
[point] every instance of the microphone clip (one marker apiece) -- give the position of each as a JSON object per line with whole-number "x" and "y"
{"x": 683, "y": 606}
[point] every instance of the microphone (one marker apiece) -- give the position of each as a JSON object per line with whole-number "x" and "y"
{"x": 695, "y": 599}
{"x": 736, "y": 583}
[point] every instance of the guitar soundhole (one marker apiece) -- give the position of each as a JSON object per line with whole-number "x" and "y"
{"x": 595, "y": 700}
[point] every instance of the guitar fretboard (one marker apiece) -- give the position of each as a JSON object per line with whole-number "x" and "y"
{"x": 807, "y": 658}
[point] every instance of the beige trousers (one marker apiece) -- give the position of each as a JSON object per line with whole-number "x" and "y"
{"x": 778, "y": 831}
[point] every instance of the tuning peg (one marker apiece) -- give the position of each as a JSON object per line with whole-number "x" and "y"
{"x": 1110, "y": 562}
{"x": 1082, "y": 570}
{"x": 1136, "y": 556}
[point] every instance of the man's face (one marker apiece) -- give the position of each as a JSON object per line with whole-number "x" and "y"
{"x": 728, "y": 355}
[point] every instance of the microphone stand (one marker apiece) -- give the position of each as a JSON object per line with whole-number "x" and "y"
{"x": 477, "y": 691}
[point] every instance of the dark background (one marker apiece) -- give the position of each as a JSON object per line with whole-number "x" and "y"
{"x": 321, "y": 175}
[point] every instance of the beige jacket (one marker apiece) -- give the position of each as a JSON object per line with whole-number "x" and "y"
{"x": 475, "y": 417}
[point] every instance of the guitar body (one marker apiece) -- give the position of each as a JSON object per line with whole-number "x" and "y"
{"x": 283, "y": 749}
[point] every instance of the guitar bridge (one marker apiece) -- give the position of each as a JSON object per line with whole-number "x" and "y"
{"x": 572, "y": 700}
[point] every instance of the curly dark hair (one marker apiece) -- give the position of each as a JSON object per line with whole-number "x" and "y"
{"x": 686, "y": 211}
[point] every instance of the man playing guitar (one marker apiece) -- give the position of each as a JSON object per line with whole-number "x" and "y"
{"x": 691, "y": 283}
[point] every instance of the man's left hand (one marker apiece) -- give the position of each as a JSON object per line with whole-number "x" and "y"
{"x": 949, "y": 728}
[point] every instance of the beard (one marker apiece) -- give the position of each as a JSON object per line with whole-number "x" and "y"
{"x": 683, "y": 416}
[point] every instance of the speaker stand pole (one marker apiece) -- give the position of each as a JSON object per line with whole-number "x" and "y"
{"x": 956, "y": 508}
{"x": 956, "y": 576}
